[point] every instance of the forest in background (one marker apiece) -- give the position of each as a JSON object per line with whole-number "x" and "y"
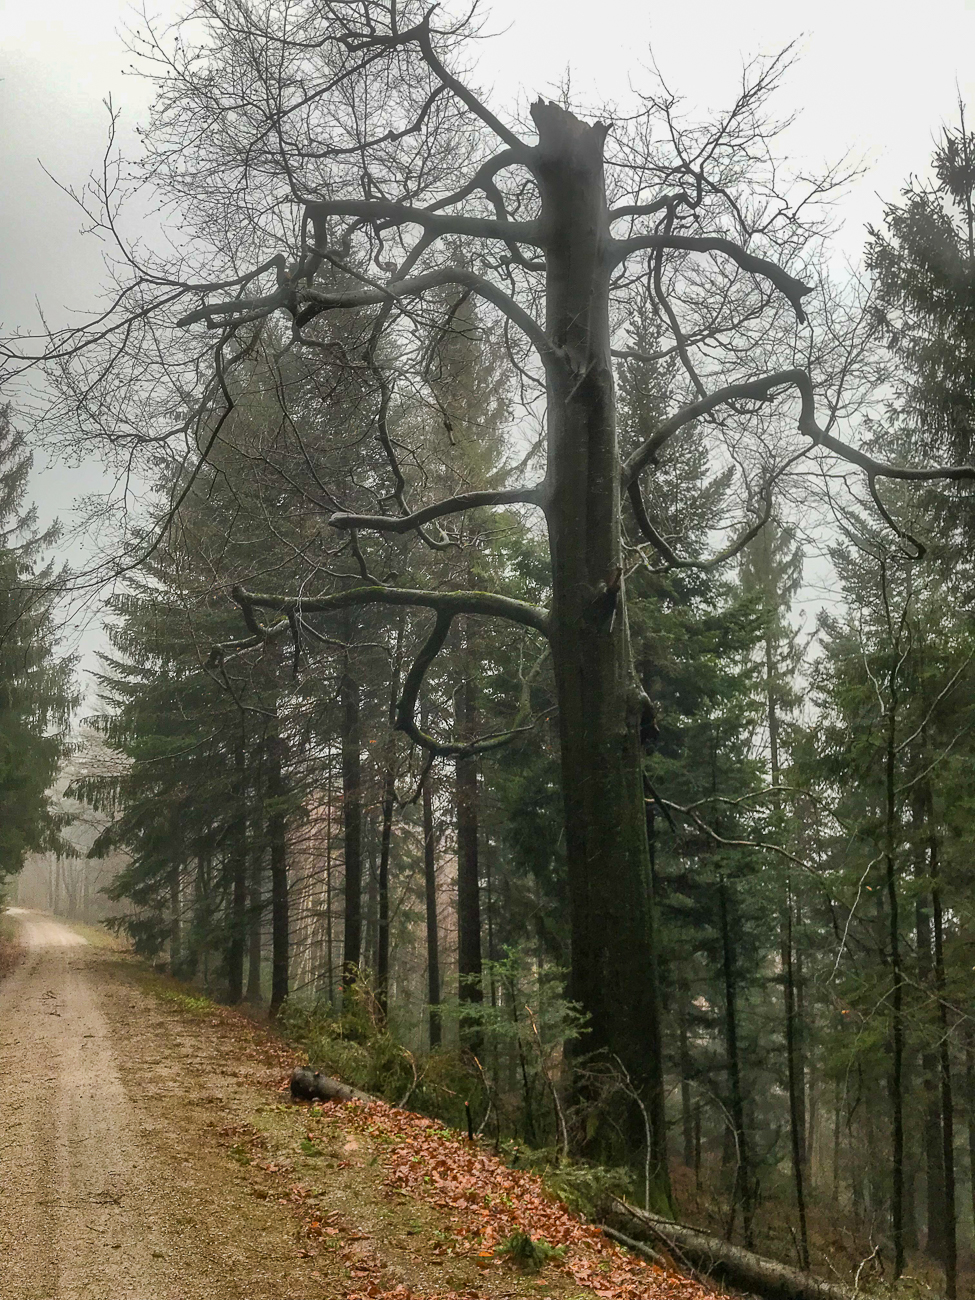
{"x": 755, "y": 1004}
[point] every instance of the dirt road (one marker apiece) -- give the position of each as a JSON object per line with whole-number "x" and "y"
{"x": 147, "y": 1153}
{"x": 112, "y": 1184}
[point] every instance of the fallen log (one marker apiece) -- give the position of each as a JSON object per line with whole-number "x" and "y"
{"x": 311, "y": 1085}
{"x": 739, "y": 1268}
{"x": 638, "y": 1247}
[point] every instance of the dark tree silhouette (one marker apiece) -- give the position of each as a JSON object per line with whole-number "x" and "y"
{"x": 329, "y": 159}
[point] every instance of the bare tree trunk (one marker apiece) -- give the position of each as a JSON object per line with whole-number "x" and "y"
{"x": 897, "y": 994}
{"x": 614, "y": 975}
{"x": 794, "y": 1069}
{"x": 738, "y": 1268}
{"x": 176, "y": 919}
{"x": 382, "y": 951}
{"x": 741, "y": 1192}
{"x": 389, "y": 802}
{"x": 947, "y": 1098}
{"x": 352, "y": 821}
{"x": 58, "y": 876}
{"x": 468, "y": 867}
{"x": 255, "y": 912}
{"x": 255, "y": 901}
{"x": 804, "y": 1090}
{"x": 370, "y": 919}
{"x": 280, "y": 929}
{"x": 238, "y": 876}
{"x": 837, "y": 1097}
{"x": 796, "y": 1118}
{"x": 686, "y": 1108}
{"x": 970, "y": 1108}
{"x": 933, "y": 1157}
{"x": 199, "y": 938}
{"x": 329, "y": 936}
{"x": 430, "y": 889}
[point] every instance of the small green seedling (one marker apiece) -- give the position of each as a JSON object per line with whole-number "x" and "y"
{"x": 530, "y": 1255}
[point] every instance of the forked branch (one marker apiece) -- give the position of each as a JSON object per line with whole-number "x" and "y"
{"x": 788, "y": 285}
{"x": 763, "y": 390}
{"x": 450, "y": 506}
{"x": 487, "y": 604}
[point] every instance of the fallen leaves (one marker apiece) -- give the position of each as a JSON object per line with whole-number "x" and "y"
{"x": 485, "y": 1202}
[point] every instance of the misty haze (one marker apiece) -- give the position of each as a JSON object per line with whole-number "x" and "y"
{"x": 487, "y": 662}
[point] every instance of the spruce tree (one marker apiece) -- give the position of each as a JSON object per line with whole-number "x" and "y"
{"x": 37, "y": 692}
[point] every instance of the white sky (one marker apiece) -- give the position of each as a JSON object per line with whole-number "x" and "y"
{"x": 873, "y": 79}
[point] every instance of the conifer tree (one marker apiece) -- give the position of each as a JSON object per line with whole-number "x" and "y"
{"x": 37, "y": 693}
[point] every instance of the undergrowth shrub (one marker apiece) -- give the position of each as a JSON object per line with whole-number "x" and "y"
{"x": 357, "y": 1047}
{"x": 582, "y": 1185}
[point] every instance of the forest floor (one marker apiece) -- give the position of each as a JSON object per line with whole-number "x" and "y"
{"x": 149, "y": 1151}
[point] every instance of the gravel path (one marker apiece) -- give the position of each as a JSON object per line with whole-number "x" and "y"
{"x": 112, "y": 1182}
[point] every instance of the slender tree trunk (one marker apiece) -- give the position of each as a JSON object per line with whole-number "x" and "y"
{"x": 896, "y": 1082}
{"x": 804, "y": 1091}
{"x": 686, "y": 1108}
{"x": 741, "y": 1192}
{"x": 370, "y": 920}
{"x": 352, "y": 821}
{"x": 430, "y": 889}
{"x": 238, "y": 874}
{"x": 199, "y": 945}
{"x": 255, "y": 902}
{"x": 489, "y": 913}
{"x": 468, "y": 867}
{"x": 389, "y": 802}
{"x": 933, "y": 1156}
{"x": 947, "y": 1097}
{"x": 255, "y": 912}
{"x": 794, "y": 1070}
{"x": 176, "y": 919}
{"x": 601, "y": 705}
{"x": 329, "y": 935}
{"x": 970, "y": 1109}
{"x": 382, "y": 953}
{"x": 276, "y": 827}
{"x": 795, "y": 1083}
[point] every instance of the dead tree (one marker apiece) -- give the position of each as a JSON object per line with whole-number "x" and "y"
{"x": 334, "y": 153}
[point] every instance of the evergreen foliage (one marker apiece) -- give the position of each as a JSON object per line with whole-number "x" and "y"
{"x": 36, "y": 682}
{"x": 779, "y": 972}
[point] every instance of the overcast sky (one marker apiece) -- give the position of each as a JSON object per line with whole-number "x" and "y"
{"x": 873, "y": 79}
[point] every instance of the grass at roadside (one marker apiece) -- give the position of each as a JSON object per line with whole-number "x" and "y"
{"x": 11, "y": 950}
{"x": 99, "y": 937}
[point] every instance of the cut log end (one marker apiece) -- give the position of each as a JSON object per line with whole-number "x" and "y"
{"x": 311, "y": 1085}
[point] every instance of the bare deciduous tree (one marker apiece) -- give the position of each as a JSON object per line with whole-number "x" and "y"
{"x": 329, "y": 157}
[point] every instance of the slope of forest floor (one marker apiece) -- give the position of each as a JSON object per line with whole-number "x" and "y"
{"x": 160, "y": 1156}
{"x": 388, "y": 1205}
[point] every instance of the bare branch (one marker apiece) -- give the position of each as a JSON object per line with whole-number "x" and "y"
{"x": 673, "y": 560}
{"x": 384, "y": 212}
{"x": 319, "y": 300}
{"x": 406, "y": 708}
{"x": 464, "y": 94}
{"x": 762, "y": 390}
{"x": 792, "y": 288}
{"x": 450, "y": 506}
{"x": 487, "y": 604}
